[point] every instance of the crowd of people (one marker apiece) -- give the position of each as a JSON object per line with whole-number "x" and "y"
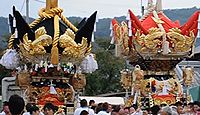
{"x": 16, "y": 105}
{"x": 107, "y": 109}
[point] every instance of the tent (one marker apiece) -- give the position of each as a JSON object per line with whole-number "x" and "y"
{"x": 110, "y": 100}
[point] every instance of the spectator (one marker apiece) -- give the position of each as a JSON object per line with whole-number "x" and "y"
{"x": 127, "y": 110}
{"x": 92, "y": 103}
{"x": 83, "y": 106}
{"x": 174, "y": 110}
{"x": 16, "y": 104}
{"x": 104, "y": 109}
{"x": 49, "y": 109}
{"x": 84, "y": 112}
{"x": 34, "y": 110}
{"x": 116, "y": 110}
{"x": 189, "y": 108}
{"x": 5, "y": 110}
{"x": 196, "y": 107}
{"x": 109, "y": 109}
{"x": 166, "y": 111}
{"x": 179, "y": 106}
{"x": 155, "y": 110}
{"x": 132, "y": 110}
{"x": 98, "y": 108}
{"x": 28, "y": 107}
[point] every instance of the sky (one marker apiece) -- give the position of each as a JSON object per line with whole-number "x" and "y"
{"x": 84, "y": 8}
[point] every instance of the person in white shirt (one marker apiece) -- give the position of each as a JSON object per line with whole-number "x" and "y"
{"x": 28, "y": 107}
{"x": 5, "y": 110}
{"x": 34, "y": 110}
{"x": 83, "y": 106}
{"x": 104, "y": 109}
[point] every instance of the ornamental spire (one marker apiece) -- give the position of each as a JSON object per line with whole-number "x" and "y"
{"x": 159, "y": 5}
{"x": 51, "y": 4}
{"x": 150, "y": 3}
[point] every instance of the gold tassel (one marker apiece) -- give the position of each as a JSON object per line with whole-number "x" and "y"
{"x": 54, "y": 50}
{"x": 54, "y": 56}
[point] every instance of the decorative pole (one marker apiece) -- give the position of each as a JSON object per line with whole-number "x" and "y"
{"x": 51, "y": 4}
{"x": 27, "y": 11}
{"x": 54, "y": 50}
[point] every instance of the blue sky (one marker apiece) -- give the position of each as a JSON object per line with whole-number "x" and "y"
{"x": 83, "y": 8}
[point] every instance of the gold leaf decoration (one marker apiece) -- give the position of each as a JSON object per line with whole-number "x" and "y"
{"x": 37, "y": 46}
{"x": 71, "y": 48}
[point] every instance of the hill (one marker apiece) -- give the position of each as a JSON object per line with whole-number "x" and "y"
{"x": 103, "y": 25}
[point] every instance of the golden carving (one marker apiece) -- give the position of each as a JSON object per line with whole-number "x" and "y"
{"x": 150, "y": 42}
{"x": 121, "y": 36}
{"x": 126, "y": 79}
{"x": 157, "y": 20}
{"x": 36, "y": 46}
{"x": 33, "y": 50}
{"x": 138, "y": 74}
{"x": 38, "y": 94}
{"x": 23, "y": 79}
{"x": 78, "y": 81}
{"x": 72, "y": 49}
{"x": 180, "y": 42}
{"x": 188, "y": 74}
{"x": 172, "y": 85}
{"x": 153, "y": 41}
{"x": 124, "y": 38}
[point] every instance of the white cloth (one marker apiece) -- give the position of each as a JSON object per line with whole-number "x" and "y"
{"x": 2, "y": 113}
{"x": 137, "y": 113}
{"x": 10, "y": 59}
{"x": 41, "y": 113}
{"x": 26, "y": 113}
{"x": 103, "y": 113}
{"x": 89, "y": 64}
{"x": 78, "y": 110}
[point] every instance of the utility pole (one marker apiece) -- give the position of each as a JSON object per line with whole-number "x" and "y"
{"x": 27, "y": 11}
{"x": 142, "y": 8}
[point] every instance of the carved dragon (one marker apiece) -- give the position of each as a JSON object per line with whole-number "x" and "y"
{"x": 151, "y": 41}
{"x": 71, "y": 48}
{"x": 121, "y": 36}
{"x": 37, "y": 46}
{"x": 180, "y": 42}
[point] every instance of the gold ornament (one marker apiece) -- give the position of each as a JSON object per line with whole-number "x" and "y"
{"x": 35, "y": 47}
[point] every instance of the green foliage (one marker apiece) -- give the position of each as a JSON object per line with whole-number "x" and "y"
{"x": 107, "y": 78}
{"x": 3, "y": 26}
{"x": 4, "y": 41}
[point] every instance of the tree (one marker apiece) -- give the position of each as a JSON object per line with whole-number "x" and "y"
{"x": 4, "y": 41}
{"x": 107, "y": 78}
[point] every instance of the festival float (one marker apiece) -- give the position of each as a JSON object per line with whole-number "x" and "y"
{"x": 154, "y": 45}
{"x": 49, "y": 56}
